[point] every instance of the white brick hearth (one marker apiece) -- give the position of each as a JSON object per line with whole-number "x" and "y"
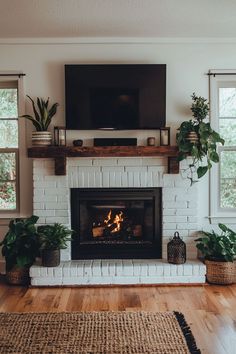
{"x": 109, "y": 271}
{"x": 180, "y": 211}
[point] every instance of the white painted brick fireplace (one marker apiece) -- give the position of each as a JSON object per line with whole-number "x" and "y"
{"x": 180, "y": 210}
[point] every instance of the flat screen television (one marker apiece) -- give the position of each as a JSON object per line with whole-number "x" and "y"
{"x": 125, "y": 96}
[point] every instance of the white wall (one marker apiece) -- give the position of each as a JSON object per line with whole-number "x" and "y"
{"x": 187, "y": 64}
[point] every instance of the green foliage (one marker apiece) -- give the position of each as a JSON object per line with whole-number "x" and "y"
{"x": 228, "y": 193}
{"x": 9, "y": 133}
{"x": 7, "y": 196}
{"x": 8, "y": 103}
{"x": 20, "y": 244}
{"x": 7, "y": 166}
{"x": 200, "y": 107}
{"x": 42, "y": 115}
{"x": 54, "y": 236}
{"x": 218, "y": 247}
{"x": 7, "y": 174}
{"x": 204, "y": 150}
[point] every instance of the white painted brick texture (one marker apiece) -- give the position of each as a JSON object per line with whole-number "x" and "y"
{"x": 92, "y": 272}
{"x": 180, "y": 204}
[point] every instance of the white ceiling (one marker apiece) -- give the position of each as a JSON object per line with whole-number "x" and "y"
{"x": 117, "y": 18}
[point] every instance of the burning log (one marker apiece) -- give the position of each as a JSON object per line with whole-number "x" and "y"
{"x": 116, "y": 224}
{"x": 98, "y": 231}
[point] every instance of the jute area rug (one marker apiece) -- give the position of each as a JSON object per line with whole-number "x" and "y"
{"x": 95, "y": 333}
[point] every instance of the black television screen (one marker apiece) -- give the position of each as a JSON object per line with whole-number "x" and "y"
{"x": 131, "y": 96}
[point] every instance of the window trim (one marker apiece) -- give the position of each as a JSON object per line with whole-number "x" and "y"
{"x": 217, "y": 214}
{"x": 25, "y": 183}
{"x": 7, "y": 83}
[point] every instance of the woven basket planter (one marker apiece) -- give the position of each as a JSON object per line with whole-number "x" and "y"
{"x": 192, "y": 137}
{"x": 41, "y": 138}
{"x": 221, "y": 273}
{"x": 18, "y": 276}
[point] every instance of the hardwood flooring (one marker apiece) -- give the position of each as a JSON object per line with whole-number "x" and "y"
{"x": 209, "y": 310}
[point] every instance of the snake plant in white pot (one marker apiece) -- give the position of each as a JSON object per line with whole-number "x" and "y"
{"x": 41, "y": 120}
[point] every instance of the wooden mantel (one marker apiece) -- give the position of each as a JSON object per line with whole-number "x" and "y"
{"x": 60, "y": 153}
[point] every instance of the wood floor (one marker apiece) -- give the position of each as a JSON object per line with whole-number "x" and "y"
{"x": 209, "y": 310}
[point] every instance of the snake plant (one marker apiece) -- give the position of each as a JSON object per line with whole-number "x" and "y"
{"x": 42, "y": 114}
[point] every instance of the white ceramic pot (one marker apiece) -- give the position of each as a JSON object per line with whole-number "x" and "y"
{"x": 41, "y": 138}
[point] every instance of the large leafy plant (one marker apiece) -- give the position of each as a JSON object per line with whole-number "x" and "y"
{"x": 214, "y": 246}
{"x": 203, "y": 150}
{"x": 20, "y": 245}
{"x": 42, "y": 114}
{"x": 53, "y": 237}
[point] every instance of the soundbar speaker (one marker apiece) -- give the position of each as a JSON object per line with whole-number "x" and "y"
{"x": 115, "y": 141}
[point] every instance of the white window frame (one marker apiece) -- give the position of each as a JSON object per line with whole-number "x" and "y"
{"x": 216, "y": 213}
{"x": 24, "y": 165}
{"x": 12, "y": 84}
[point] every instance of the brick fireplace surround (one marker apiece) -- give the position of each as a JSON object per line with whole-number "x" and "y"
{"x": 180, "y": 210}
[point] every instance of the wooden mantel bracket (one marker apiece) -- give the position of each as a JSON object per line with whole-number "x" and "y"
{"x": 60, "y": 166}
{"x": 60, "y": 153}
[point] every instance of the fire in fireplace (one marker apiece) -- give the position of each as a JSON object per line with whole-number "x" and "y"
{"x": 116, "y": 223}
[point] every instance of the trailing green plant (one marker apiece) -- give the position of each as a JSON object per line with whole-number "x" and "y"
{"x": 203, "y": 150}
{"x": 20, "y": 245}
{"x": 53, "y": 237}
{"x": 218, "y": 247}
{"x": 43, "y": 114}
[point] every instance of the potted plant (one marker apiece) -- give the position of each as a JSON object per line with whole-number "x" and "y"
{"x": 197, "y": 139}
{"x": 52, "y": 239}
{"x": 20, "y": 247}
{"x": 219, "y": 251}
{"x": 41, "y": 120}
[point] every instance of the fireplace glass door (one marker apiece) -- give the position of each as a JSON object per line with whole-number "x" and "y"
{"x": 116, "y": 223}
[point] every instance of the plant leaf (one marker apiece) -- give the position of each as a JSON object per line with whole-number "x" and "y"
{"x": 37, "y": 116}
{"x": 201, "y": 171}
{"x": 36, "y": 124}
{"x": 214, "y": 156}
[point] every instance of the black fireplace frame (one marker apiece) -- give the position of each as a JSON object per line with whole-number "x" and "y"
{"x": 118, "y": 251}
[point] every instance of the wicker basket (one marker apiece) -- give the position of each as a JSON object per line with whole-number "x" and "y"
{"x": 220, "y": 272}
{"x": 18, "y": 276}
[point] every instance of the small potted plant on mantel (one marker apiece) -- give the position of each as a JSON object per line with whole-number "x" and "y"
{"x": 197, "y": 140}
{"x": 41, "y": 120}
{"x": 20, "y": 247}
{"x": 219, "y": 251}
{"x": 52, "y": 239}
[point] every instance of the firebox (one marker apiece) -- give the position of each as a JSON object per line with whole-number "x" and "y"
{"x": 116, "y": 223}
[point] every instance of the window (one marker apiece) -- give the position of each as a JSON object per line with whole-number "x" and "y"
{"x": 9, "y": 146}
{"x": 223, "y": 119}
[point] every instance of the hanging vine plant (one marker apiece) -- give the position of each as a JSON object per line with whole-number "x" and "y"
{"x": 197, "y": 139}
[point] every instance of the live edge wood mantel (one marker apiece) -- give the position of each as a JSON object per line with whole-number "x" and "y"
{"x": 60, "y": 153}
